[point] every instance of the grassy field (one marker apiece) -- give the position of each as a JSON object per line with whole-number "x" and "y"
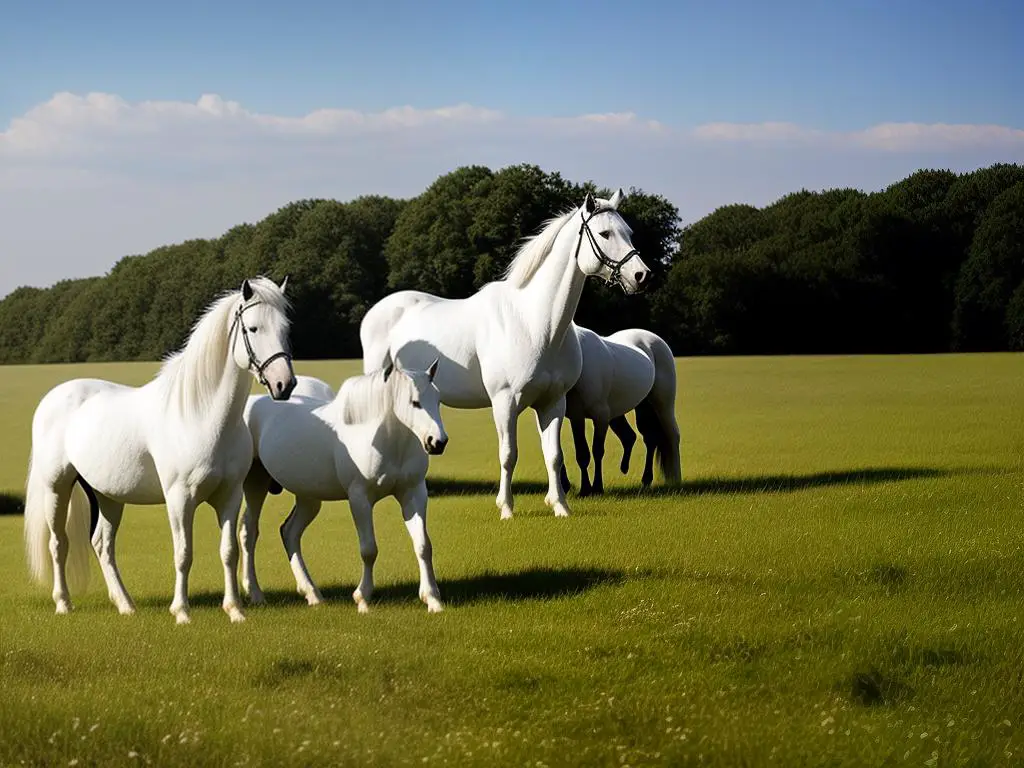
{"x": 840, "y": 582}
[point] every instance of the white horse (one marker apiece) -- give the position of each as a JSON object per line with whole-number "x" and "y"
{"x": 179, "y": 439}
{"x": 631, "y": 369}
{"x": 310, "y": 387}
{"x": 507, "y": 346}
{"x": 369, "y": 442}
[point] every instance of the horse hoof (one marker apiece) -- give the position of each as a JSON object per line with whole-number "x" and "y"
{"x": 257, "y": 598}
{"x": 362, "y": 607}
{"x": 181, "y": 617}
{"x": 236, "y": 616}
{"x": 434, "y": 606}
{"x": 63, "y": 608}
{"x": 506, "y": 513}
{"x": 126, "y": 610}
{"x": 561, "y": 511}
{"x": 313, "y": 599}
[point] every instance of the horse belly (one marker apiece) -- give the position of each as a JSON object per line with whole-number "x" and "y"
{"x": 106, "y": 448}
{"x": 304, "y": 467}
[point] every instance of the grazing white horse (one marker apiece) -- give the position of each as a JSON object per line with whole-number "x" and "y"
{"x": 631, "y": 369}
{"x": 178, "y": 439}
{"x": 507, "y": 346}
{"x": 369, "y": 442}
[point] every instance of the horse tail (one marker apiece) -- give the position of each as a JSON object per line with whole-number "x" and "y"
{"x": 662, "y": 401}
{"x": 37, "y": 529}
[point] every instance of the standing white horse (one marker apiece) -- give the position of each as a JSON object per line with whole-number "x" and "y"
{"x": 507, "y": 346}
{"x": 369, "y": 442}
{"x": 179, "y": 439}
{"x": 631, "y": 369}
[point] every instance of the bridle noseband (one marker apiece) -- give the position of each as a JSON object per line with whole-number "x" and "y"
{"x": 255, "y": 365}
{"x": 612, "y": 264}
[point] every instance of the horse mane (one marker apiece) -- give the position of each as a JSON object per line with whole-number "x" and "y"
{"x": 192, "y": 375}
{"x": 369, "y": 396}
{"x": 534, "y": 250}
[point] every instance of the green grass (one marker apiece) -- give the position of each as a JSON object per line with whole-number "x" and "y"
{"x": 839, "y": 582}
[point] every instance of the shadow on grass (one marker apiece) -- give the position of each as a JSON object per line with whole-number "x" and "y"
{"x": 445, "y": 486}
{"x": 530, "y": 584}
{"x": 450, "y": 486}
{"x": 11, "y": 504}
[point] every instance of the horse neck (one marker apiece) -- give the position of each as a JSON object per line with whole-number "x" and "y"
{"x": 210, "y": 392}
{"x": 554, "y": 291}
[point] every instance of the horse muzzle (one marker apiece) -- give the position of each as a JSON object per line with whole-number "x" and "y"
{"x": 435, "y": 447}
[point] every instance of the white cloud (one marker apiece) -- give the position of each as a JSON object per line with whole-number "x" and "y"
{"x": 896, "y": 137}
{"x": 87, "y": 179}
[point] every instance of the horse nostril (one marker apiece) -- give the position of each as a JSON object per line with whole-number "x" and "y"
{"x": 280, "y": 386}
{"x": 640, "y": 277}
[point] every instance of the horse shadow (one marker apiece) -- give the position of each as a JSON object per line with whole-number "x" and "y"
{"x": 717, "y": 485}
{"x": 11, "y": 504}
{"x": 531, "y": 584}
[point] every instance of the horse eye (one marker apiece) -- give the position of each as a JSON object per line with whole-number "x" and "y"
{"x": 252, "y": 329}
{"x": 416, "y": 404}
{"x": 606, "y": 234}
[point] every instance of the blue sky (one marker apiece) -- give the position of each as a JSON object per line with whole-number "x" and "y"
{"x": 832, "y": 64}
{"x": 821, "y": 68}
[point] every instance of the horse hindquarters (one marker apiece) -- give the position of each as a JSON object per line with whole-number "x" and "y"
{"x": 56, "y": 512}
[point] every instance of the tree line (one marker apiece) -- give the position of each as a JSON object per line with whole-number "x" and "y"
{"x": 933, "y": 263}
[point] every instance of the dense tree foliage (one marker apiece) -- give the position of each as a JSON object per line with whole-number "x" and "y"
{"x": 933, "y": 263}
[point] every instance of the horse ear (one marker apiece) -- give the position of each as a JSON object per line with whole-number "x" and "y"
{"x": 388, "y": 369}
{"x": 589, "y": 204}
{"x": 617, "y": 198}
{"x": 432, "y": 370}
{"x": 284, "y": 283}
{"x": 387, "y": 364}
{"x": 246, "y": 290}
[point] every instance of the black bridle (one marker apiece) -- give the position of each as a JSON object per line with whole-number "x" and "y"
{"x": 254, "y": 364}
{"x": 612, "y": 264}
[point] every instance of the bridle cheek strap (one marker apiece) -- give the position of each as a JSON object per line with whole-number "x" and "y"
{"x": 614, "y": 265}
{"x": 257, "y": 367}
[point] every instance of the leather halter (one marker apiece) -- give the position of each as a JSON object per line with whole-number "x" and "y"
{"x": 612, "y": 264}
{"x": 255, "y": 365}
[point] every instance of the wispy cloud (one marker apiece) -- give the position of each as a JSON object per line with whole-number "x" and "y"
{"x": 86, "y": 179}
{"x": 894, "y": 137}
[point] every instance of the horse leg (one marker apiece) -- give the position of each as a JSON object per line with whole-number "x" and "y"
{"x": 181, "y": 512}
{"x": 255, "y": 490}
{"x": 649, "y": 432}
{"x": 620, "y": 426}
{"x": 56, "y": 505}
{"x": 549, "y": 424}
{"x": 103, "y": 543}
{"x": 414, "y": 511}
{"x": 600, "y": 433}
{"x": 227, "y": 509}
{"x": 506, "y": 417}
{"x": 579, "y": 441}
{"x": 302, "y": 514}
{"x": 362, "y": 516}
